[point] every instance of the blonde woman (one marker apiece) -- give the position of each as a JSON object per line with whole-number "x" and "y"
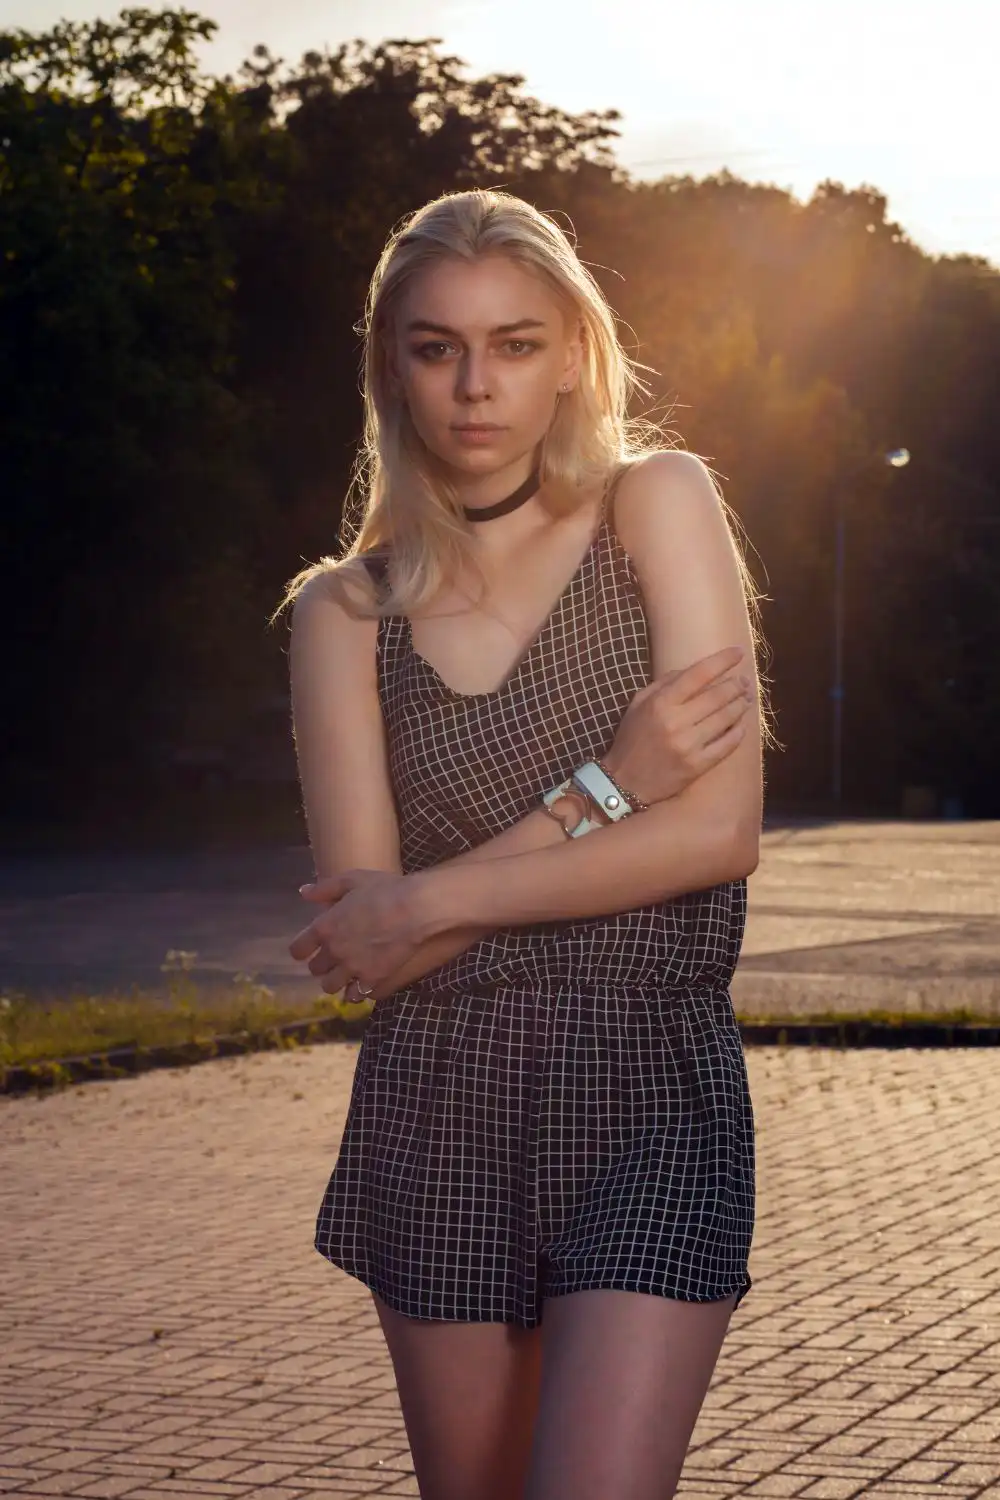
{"x": 527, "y": 718}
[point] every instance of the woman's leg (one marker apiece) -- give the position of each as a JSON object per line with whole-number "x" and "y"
{"x": 623, "y": 1379}
{"x": 469, "y": 1393}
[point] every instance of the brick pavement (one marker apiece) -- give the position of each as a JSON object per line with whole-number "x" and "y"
{"x": 167, "y": 1329}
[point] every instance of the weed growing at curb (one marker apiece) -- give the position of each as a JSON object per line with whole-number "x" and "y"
{"x": 34, "y": 1031}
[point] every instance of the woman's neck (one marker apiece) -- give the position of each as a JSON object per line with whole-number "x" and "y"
{"x": 480, "y": 491}
{"x": 505, "y": 535}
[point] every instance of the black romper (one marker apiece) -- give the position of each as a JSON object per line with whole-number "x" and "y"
{"x": 565, "y": 1105}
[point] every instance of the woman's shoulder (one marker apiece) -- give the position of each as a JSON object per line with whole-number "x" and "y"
{"x": 344, "y": 592}
{"x": 664, "y": 473}
{"x": 661, "y": 492}
{"x": 671, "y": 520}
{"x": 334, "y": 634}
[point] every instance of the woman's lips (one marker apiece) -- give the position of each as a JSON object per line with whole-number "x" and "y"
{"x": 472, "y": 434}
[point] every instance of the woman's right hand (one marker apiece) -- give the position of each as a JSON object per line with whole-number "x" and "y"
{"x": 681, "y": 725}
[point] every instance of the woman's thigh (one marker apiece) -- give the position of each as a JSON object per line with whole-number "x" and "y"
{"x": 624, "y": 1376}
{"x": 469, "y": 1393}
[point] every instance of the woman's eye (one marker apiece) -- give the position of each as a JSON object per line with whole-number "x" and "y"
{"x": 433, "y": 351}
{"x": 520, "y": 346}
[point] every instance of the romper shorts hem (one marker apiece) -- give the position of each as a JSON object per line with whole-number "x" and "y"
{"x": 484, "y": 1312}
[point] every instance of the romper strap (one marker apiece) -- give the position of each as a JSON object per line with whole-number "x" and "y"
{"x": 608, "y": 500}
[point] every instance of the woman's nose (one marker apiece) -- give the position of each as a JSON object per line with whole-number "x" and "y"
{"x": 473, "y": 380}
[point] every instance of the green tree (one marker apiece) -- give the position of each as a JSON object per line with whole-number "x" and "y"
{"x": 124, "y": 445}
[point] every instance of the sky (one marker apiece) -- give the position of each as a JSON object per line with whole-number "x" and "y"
{"x": 899, "y": 94}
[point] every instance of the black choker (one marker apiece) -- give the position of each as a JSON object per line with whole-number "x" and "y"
{"x": 503, "y": 507}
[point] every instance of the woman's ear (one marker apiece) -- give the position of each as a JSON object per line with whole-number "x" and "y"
{"x": 574, "y": 358}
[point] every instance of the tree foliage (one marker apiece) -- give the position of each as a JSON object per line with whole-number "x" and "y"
{"x": 185, "y": 260}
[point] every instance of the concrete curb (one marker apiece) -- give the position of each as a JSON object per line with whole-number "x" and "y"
{"x": 861, "y": 1033}
{"x": 125, "y": 1062}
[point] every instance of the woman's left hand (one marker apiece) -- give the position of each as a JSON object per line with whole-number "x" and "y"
{"x": 368, "y": 931}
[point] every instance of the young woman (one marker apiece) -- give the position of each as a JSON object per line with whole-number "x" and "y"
{"x": 527, "y": 719}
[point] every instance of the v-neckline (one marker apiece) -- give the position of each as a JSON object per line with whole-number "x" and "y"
{"x": 521, "y": 664}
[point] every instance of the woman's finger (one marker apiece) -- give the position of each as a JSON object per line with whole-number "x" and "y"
{"x": 336, "y": 982}
{"x": 330, "y": 888}
{"x": 322, "y": 962}
{"x": 305, "y": 943}
{"x": 700, "y": 674}
{"x": 709, "y": 730}
{"x": 726, "y": 711}
{"x": 712, "y": 699}
{"x": 710, "y": 755}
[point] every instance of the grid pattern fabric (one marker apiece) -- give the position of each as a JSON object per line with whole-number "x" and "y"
{"x": 563, "y": 1106}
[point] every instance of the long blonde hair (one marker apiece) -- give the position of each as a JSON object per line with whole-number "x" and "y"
{"x": 400, "y": 501}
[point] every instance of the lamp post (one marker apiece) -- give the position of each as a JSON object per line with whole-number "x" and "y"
{"x": 896, "y": 458}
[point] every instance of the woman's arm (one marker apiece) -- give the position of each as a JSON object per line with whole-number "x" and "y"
{"x": 340, "y": 740}
{"x": 672, "y": 524}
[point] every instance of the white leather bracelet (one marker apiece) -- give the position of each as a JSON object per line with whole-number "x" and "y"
{"x": 601, "y": 790}
{"x": 585, "y": 825}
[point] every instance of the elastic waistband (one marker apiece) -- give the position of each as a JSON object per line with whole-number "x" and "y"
{"x": 552, "y": 988}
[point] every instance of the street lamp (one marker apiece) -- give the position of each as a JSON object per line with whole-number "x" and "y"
{"x": 895, "y": 458}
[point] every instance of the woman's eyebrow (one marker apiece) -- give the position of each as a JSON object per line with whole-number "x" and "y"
{"x": 421, "y": 325}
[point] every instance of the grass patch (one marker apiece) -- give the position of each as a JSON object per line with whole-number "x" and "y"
{"x": 33, "y": 1031}
{"x": 960, "y": 1016}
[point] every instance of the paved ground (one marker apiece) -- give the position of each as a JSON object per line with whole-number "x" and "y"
{"x": 167, "y": 1330}
{"x": 855, "y": 916}
{"x": 844, "y": 917}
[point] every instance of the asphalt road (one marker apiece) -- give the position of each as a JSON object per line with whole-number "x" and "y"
{"x": 844, "y": 917}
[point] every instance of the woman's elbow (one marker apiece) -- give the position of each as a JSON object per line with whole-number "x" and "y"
{"x": 743, "y": 848}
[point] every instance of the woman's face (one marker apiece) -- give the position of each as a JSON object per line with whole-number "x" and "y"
{"x": 481, "y": 352}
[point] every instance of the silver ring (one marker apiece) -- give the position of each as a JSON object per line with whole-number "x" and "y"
{"x": 365, "y": 991}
